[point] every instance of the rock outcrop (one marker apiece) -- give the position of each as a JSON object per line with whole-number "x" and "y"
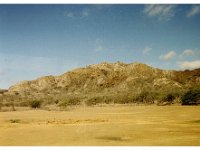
{"x": 109, "y": 78}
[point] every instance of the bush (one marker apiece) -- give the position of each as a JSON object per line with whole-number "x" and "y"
{"x": 23, "y": 103}
{"x": 35, "y": 103}
{"x": 124, "y": 99}
{"x": 101, "y": 100}
{"x": 7, "y": 104}
{"x": 56, "y": 101}
{"x": 94, "y": 101}
{"x": 48, "y": 100}
{"x": 169, "y": 98}
{"x": 69, "y": 102}
{"x": 107, "y": 100}
{"x": 192, "y": 97}
{"x": 145, "y": 97}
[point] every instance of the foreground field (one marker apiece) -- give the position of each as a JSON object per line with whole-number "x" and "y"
{"x": 111, "y": 125}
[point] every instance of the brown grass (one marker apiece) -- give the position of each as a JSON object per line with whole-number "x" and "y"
{"x": 111, "y": 125}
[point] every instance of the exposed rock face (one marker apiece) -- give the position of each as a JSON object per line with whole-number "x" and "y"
{"x": 109, "y": 77}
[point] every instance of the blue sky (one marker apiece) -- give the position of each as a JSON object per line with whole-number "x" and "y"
{"x": 38, "y": 40}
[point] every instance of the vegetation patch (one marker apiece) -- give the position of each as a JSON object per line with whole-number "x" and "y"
{"x": 14, "y": 121}
{"x": 95, "y": 100}
{"x": 75, "y": 121}
{"x": 195, "y": 121}
{"x": 35, "y": 103}
{"x": 69, "y": 101}
{"x": 146, "y": 97}
{"x": 192, "y": 97}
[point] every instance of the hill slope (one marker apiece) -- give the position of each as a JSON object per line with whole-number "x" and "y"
{"x": 108, "y": 81}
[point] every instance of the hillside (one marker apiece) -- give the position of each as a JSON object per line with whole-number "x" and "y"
{"x": 106, "y": 83}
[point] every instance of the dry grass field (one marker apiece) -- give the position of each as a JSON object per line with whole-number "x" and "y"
{"x": 110, "y": 125}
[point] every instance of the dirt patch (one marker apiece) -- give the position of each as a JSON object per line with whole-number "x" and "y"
{"x": 113, "y": 138}
{"x": 73, "y": 121}
{"x": 103, "y": 126}
{"x": 14, "y": 121}
{"x": 194, "y": 121}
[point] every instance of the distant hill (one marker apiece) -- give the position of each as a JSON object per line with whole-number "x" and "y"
{"x": 108, "y": 83}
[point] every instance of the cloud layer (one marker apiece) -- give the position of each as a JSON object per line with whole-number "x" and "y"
{"x": 190, "y": 64}
{"x": 162, "y": 12}
{"x": 187, "y": 52}
{"x": 99, "y": 45}
{"x": 195, "y": 10}
{"x": 146, "y": 50}
{"x": 168, "y": 56}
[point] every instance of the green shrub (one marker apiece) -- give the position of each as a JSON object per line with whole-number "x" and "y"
{"x": 10, "y": 104}
{"x": 69, "y": 102}
{"x": 94, "y": 101}
{"x": 146, "y": 97}
{"x": 7, "y": 104}
{"x": 35, "y": 103}
{"x": 100, "y": 100}
{"x": 48, "y": 100}
{"x": 24, "y": 103}
{"x": 56, "y": 101}
{"x": 124, "y": 99}
{"x": 192, "y": 97}
{"x": 107, "y": 100}
{"x": 169, "y": 98}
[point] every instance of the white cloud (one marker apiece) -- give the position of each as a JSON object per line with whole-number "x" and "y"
{"x": 85, "y": 12}
{"x": 99, "y": 48}
{"x": 190, "y": 64}
{"x": 68, "y": 14}
{"x": 146, "y": 50}
{"x": 187, "y": 52}
{"x": 168, "y": 56}
{"x": 99, "y": 45}
{"x": 162, "y": 11}
{"x": 195, "y": 10}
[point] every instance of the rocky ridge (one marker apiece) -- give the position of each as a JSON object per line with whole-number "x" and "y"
{"x": 113, "y": 76}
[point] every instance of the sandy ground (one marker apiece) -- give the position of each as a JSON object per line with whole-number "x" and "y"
{"x": 118, "y": 125}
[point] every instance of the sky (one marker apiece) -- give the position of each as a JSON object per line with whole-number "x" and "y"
{"x": 40, "y": 40}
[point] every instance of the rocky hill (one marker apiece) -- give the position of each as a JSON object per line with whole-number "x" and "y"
{"x": 108, "y": 81}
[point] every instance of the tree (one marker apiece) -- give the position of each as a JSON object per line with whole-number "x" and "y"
{"x": 169, "y": 98}
{"x": 145, "y": 97}
{"x": 192, "y": 97}
{"x": 35, "y": 103}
